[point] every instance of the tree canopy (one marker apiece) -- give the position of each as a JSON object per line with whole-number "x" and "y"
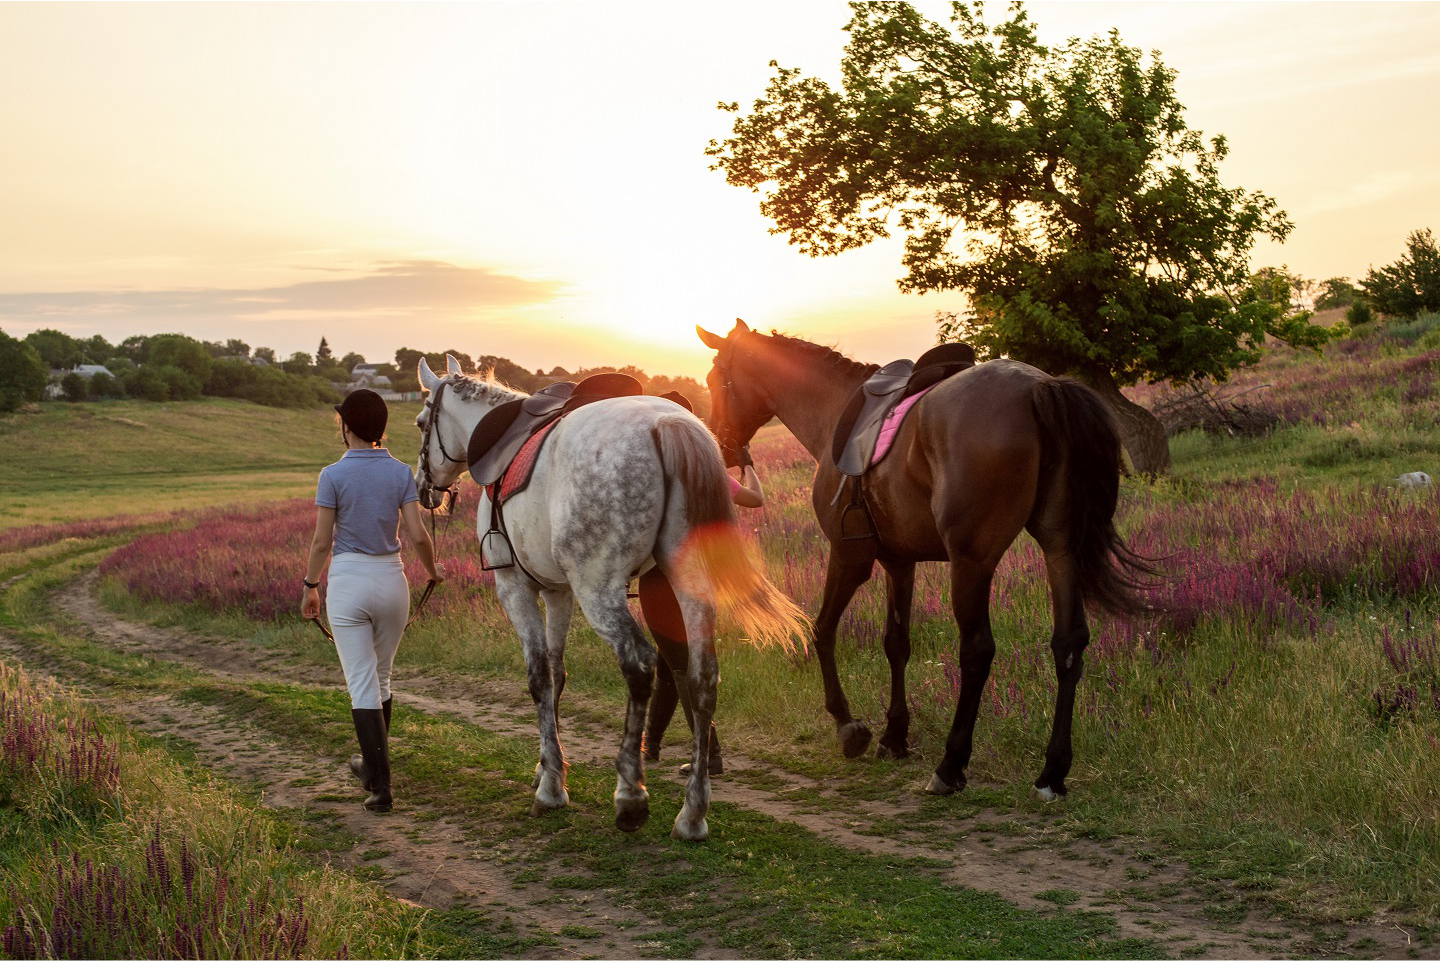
{"x": 1411, "y": 284}
{"x": 22, "y": 373}
{"x": 58, "y": 350}
{"x": 1060, "y": 188}
{"x": 1336, "y": 292}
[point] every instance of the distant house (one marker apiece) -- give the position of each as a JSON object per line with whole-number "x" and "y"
{"x": 364, "y": 375}
{"x": 53, "y": 390}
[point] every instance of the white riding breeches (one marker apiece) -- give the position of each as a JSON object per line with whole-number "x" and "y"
{"x": 369, "y": 604}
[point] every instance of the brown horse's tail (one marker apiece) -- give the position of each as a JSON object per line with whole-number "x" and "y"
{"x": 715, "y": 559}
{"x": 1079, "y": 439}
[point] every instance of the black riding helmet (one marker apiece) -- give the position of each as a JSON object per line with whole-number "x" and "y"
{"x": 364, "y": 413}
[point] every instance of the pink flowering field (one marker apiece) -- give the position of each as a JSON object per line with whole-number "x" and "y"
{"x": 246, "y": 561}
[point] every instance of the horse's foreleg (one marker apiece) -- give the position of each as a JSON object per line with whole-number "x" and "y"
{"x": 701, "y": 679}
{"x": 901, "y": 580}
{"x": 1068, "y": 641}
{"x": 524, "y": 611}
{"x": 970, "y": 599}
{"x": 847, "y": 569}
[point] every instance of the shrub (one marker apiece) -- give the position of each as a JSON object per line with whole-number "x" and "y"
{"x": 1358, "y": 314}
{"x": 74, "y": 386}
{"x": 103, "y": 385}
{"x": 22, "y": 374}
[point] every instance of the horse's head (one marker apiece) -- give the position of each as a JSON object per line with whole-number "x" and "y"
{"x": 440, "y": 435}
{"x": 740, "y": 401}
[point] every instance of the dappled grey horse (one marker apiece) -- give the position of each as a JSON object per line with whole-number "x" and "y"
{"x": 619, "y": 486}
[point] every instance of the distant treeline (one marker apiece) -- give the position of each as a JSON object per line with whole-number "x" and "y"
{"x": 507, "y": 372}
{"x": 175, "y": 367}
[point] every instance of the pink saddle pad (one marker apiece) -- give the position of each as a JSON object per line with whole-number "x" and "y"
{"x": 892, "y": 424}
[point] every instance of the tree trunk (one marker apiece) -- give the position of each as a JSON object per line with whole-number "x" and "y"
{"x": 1142, "y": 435}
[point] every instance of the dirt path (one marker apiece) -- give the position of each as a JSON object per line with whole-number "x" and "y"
{"x": 436, "y": 863}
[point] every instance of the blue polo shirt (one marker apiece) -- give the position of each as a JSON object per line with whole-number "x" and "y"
{"x": 367, "y": 489}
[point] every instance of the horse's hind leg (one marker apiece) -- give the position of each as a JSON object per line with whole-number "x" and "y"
{"x": 521, "y": 604}
{"x": 970, "y": 599}
{"x": 702, "y": 674}
{"x": 1069, "y": 638}
{"x": 609, "y": 615}
{"x": 901, "y": 584}
{"x": 847, "y": 569}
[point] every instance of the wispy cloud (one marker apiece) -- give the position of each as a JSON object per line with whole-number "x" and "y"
{"x": 406, "y": 288}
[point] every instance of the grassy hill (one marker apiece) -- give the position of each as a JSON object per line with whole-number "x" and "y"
{"x": 71, "y": 462}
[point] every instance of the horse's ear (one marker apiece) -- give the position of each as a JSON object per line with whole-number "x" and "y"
{"x": 740, "y": 328}
{"x": 452, "y": 366}
{"x": 713, "y": 341}
{"x": 426, "y": 376}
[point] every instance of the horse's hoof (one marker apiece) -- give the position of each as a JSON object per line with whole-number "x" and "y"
{"x": 884, "y": 751}
{"x": 938, "y": 786}
{"x": 1050, "y": 793}
{"x": 539, "y": 805}
{"x": 683, "y": 831}
{"x": 855, "y": 739}
{"x": 631, "y": 817}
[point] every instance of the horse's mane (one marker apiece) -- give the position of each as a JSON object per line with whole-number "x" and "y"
{"x": 834, "y": 359}
{"x": 481, "y": 387}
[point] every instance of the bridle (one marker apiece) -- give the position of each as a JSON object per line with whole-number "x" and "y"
{"x": 723, "y": 427}
{"x": 723, "y": 415}
{"x": 433, "y": 406}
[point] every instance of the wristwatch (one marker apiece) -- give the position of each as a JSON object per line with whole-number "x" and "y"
{"x": 310, "y": 584}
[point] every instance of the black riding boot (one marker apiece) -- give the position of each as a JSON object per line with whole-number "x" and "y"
{"x": 713, "y": 762}
{"x": 375, "y": 756}
{"x": 357, "y": 764}
{"x": 662, "y": 706}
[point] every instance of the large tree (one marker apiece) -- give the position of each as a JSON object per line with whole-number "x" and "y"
{"x": 183, "y": 352}
{"x": 1060, "y": 188}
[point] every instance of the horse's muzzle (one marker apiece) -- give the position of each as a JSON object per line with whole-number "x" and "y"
{"x": 431, "y": 498}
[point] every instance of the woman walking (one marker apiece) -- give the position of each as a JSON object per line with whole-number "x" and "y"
{"x": 361, "y": 501}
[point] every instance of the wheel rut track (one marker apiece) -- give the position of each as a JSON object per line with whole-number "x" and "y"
{"x": 436, "y": 863}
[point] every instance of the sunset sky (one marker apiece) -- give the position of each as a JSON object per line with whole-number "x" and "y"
{"x": 528, "y": 179}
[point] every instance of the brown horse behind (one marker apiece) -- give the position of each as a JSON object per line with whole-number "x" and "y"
{"x": 996, "y": 449}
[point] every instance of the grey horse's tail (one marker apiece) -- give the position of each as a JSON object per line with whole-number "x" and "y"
{"x": 715, "y": 558}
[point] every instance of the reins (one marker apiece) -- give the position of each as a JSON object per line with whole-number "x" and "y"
{"x": 424, "y": 597}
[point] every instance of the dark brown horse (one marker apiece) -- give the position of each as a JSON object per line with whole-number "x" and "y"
{"x": 998, "y": 448}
